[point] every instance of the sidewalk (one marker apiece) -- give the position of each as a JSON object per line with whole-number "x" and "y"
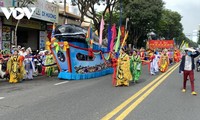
{"x": 34, "y": 77}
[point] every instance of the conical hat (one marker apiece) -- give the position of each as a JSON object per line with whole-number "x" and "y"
{"x": 190, "y": 49}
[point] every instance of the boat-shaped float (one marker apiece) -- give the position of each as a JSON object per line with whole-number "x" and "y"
{"x": 73, "y": 54}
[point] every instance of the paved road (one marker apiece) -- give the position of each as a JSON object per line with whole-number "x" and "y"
{"x": 49, "y": 99}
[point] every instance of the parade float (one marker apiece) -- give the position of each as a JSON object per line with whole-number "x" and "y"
{"x": 77, "y": 55}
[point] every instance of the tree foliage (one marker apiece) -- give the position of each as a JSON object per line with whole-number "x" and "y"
{"x": 25, "y": 3}
{"x": 144, "y": 16}
{"x": 87, "y": 8}
{"x": 170, "y": 25}
{"x": 22, "y": 3}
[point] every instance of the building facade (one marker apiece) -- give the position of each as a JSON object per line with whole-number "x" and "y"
{"x": 30, "y": 33}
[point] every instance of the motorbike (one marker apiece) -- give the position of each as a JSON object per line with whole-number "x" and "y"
{"x": 3, "y": 68}
{"x": 198, "y": 64}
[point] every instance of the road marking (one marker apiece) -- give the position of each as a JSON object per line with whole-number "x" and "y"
{"x": 61, "y": 83}
{"x": 140, "y": 99}
{"x": 135, "y": 95}
{"x": 2, "y": 98}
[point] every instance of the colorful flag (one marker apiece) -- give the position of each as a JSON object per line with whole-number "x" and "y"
{"x": 109, "y": 37}
{"x": 53, "y": 32}
{"x": 114, "y": 35}
{"x": 88, "y": 33}
{"x": 187, "y": 45}
{"x": 125, "y": 38}
{"x": 101, "y": 31}
{"x": 182, "y": 44}
{"x": 118, "y": 40}
{"x": 91, "y": 37}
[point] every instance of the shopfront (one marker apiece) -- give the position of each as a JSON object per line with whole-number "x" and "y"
{"x": 30, "y": 33}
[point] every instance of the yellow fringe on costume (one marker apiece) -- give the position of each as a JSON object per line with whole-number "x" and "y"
{"x": 164, "y": 62}
{"x": 49, "y": 70}
{"x": 123, "y": 71}
{"x": 15, "y": 69}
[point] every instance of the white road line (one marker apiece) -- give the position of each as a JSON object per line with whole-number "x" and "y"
{"x": 61, "y": 83}
{"x": 2, "y": 98}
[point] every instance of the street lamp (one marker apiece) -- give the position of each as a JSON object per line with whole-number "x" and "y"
{"x": 127, "y": 19}
{"x": 150, "y": 35}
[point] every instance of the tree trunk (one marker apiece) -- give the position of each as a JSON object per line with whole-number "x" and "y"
{"x": 15, "y": 36}
{"x": 82, "y": 19}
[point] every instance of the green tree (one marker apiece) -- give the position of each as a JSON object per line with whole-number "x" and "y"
{"x": 170, "y": 25}
{"x": 143, "y": 15}
{"x": 87, "y": 8}
{"x": 83, "y": 6}
{"x": 21, "y": 3}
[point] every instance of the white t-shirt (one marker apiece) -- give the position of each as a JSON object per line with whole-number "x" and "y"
{"x": 188, "y": 63}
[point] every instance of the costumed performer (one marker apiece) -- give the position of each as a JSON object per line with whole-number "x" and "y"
{"x": 123, "y": 69}
{"x": 177, "y": 56}
{"x": 152, "y": 62}
{"x": 49, "y": 64}
{"x": 114, "y": 65}
{"x": 136, "y": 66}
{"x": 15, "y": 67}
{"x": 164, "y": 61}
{"x": 156, "y": 61}
{"x": 142, "y": 54}
{"x": 29, "y": 65}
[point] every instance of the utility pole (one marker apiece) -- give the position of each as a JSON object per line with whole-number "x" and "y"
{"x": 198, "y": 35}
{"x": 65, "y": 4}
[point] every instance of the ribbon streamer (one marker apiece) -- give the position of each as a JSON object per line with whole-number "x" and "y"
{"x": 57, "y": 47}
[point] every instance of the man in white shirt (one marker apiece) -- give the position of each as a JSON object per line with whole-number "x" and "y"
{"x": 187, "y": 67}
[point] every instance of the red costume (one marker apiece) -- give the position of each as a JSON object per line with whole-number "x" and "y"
{"x": 177, "y": 56}
{"x": 114, "y": 65}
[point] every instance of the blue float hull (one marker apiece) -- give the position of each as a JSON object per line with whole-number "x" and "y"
{"x": 75, "y": 64}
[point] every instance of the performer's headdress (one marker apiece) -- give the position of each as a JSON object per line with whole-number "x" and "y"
{"x": 29, "y": 49}
{"x": 165, "y": 50}
{"x": 16, "y": 50}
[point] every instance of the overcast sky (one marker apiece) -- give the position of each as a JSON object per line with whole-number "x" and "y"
{"x": 189, "y": 10}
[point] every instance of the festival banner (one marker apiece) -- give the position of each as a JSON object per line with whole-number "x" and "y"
{"x": 154, "y": 44}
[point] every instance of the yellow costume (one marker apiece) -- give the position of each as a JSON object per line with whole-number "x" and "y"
{"x": 164, "y": 62}
{"x": 123, "y": 70}
{"x": 49, "y": 63}
{"x": 15, "y": 68}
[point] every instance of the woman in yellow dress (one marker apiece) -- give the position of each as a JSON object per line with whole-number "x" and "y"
{"x": 15, "y": 67}
{"x": 49, "y": 63}
{"x": 123, "y": 70}
{"x": 164, "y": 61}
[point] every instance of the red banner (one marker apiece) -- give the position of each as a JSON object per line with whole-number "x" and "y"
{"x": 153, "y": 44}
